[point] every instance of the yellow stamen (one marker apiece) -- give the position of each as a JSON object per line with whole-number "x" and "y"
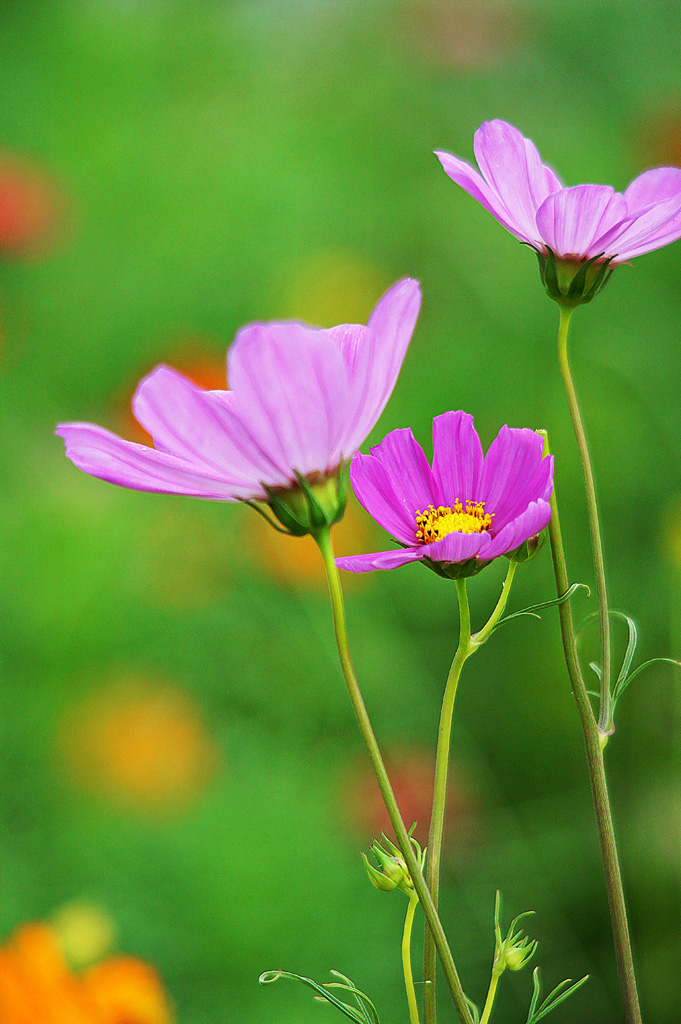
{"x": 435, "y": 523}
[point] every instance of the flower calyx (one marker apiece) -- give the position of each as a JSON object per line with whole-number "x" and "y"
{"x": 314, "y": 503}
{"x": 394, "y": 873}
{"x": 516, "y": 949}
{"x": 572, "y": 282}
{"x": 528, "y": 549}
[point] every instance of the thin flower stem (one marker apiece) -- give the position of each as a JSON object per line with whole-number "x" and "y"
{"x": 325, "y": 543}
{"x": 437, "y": 817}
{"x": 484, "y": 634}
{"x": 467, "y": 646}
{"x": 491, "y": 994}
{"x": 406, "y": 959}
{"x": 605, "y": 723}
{"x": 599, "y": 786}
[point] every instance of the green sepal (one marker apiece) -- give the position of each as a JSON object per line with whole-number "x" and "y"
{"x": 571, "y": 283}
{"x": 377, "y": 878}
{"x": 528, "y": 549}
{"x": 310, "y": 505}
{"x": 455, "y": 570}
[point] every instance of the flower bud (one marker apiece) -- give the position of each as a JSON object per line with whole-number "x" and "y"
{"x": 395, "y": 874}
{"x": 572, "y": 282}
{"x": 528, "y": 549}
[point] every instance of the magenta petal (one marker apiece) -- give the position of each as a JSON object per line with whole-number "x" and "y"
{"x": 196, "y": 425}
{"x": 570, "y": 220}
{"x": 380, "y": 560}
{"x": 653, "y": 187}
{"x": 102, "y": 454}
{"x": 291, "y": 391}
{"x": 457, "y": 458}
{"x": 457, "y": 547}
{"x": 469, "y": 180}
{"x": 530, "y": 522}
{"x": 643, "y": 232}
{"x": 512, "y": 167}
{"x": 411, "y": 477}
{"x": 378, "y": 361}
{"x": 510, "y": 465}
{"x": 374, "y": 489}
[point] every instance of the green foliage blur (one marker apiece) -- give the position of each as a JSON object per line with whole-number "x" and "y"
{"x": 177, "y": 748}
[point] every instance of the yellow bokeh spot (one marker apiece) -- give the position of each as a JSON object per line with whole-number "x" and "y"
{"x": 435, "y": 523}
{"x": 334, "y": 287}
{"x": 84, "y": 933}
{"x": 140, "y": 742}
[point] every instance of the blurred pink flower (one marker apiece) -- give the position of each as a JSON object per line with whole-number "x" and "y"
{"x": 302, "y": 400}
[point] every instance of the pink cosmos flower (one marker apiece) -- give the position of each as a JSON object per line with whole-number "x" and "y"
{"x": 302, "y": 400}
{"x": 464, "y": 511}
{"x": 577, "y": 223}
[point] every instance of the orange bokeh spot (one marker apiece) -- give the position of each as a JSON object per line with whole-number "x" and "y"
{"x": 296, "y": 560}
{"x": 37, "y": 986}
{"x": 141, "y": 743}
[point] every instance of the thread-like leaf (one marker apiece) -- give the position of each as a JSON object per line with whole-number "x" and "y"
{"x": 267, "y": 977}
{"x": 532, "y": 609}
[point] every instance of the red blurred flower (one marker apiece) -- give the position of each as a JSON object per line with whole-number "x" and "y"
{"x": 411, "y": 773}
{"x": 28, "y": 207}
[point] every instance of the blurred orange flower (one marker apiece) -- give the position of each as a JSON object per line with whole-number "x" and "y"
{"x": 142, "y": 743}
{"x": 37, "y": 986}
{"x": 296, "y": 560}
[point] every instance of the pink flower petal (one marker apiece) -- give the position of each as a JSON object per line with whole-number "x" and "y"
{"x": 653, "y": 187}
{"x": 291, "y": 392}
{"x": 570, "y": 220}
{"x": 411, "y": 477}
{"x": 532, "y": 521}
{"x": 102, "y": 454}
{"x": 511, "y": 464}
{"x": 645, "y": 231}
{"x": 512, "y": 167}
{"x": 457, "y": 547}
{"x": 380, "y": 560}
{"x": 457, "y": 458}
{"x": 374, "y": 489}
{"x": 378, "y": 361}
{"x": 472, "y": 182}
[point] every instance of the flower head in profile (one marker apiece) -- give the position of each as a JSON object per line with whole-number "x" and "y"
{"x": 301, "y": 401}
{"x": 466, "y": 510}
{"x": 578, "y": 232}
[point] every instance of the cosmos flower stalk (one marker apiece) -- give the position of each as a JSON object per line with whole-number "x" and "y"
{"x": 580, "y": 233}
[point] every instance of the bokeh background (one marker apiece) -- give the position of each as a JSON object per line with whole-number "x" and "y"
{"x": 182, "y": 778}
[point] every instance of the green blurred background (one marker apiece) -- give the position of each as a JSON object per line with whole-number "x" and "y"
{"x": 177, "y": 746}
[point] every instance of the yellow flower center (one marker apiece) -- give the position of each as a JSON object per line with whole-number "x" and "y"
{"x": 435, "y": 523}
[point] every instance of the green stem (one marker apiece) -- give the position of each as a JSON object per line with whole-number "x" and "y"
{"x": 325, "y": 543}
{"x": 599, "y": 785}
{"x": 467, "y": 645}
{"x": 491, "y": 993}
{"x": 406, "y": 959}
{"x": 605, "y": 723}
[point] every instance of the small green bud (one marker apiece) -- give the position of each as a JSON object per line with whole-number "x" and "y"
{"x": 314, "y": 503}
{"x": 514, "y": 951}
{"x": 528, "y": 549}
{"x": 572, "y": 282}
{"x": 395, "y": 874}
